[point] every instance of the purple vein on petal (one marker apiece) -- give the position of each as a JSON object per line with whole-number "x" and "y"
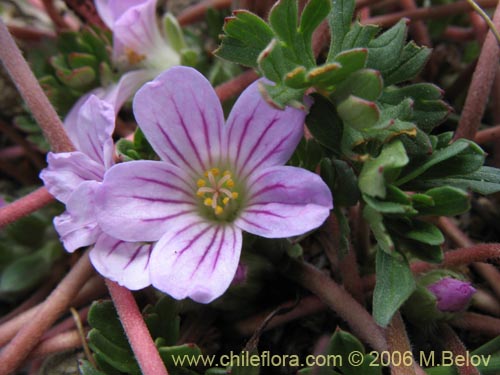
{"x": 206, "y": 251}
{"x": 252, "y": 223}
{"x": 268, "y": 155}
{"x": 243, "y": 134}
{"x": 205, "y": 129}
{"x": 155, "y": 199}
{"x": 192, "y": 241}
{"x": 254, "y": 147}
{"x": 168, "y": 217}
{"x": 132, "y": 258}
{"x": 94, "y": 148}
{"x": 221, "y": 243}
{"x": 264, "y": 212}
{"x": 114, "y": 247}
{"x": 164, "y": 184}
{"x": 188, "y": 136}
{"x": 265, "y": 189}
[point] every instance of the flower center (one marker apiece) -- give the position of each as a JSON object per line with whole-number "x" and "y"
{"x": 133, "y": 57}
{"x": 217, "y": 193}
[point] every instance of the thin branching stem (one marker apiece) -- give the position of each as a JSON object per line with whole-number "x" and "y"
{"x": 25, "y": 206}
{"x": 197, "y": 12}
{"x": 54, "y": 306}
{"x": 138, "y": 335}
{"x": 360, "y": 320}
{"x": 32, "y": 93}
{"x": 235, "y": 85}
{"x": 480, "y": 87}
{"x": 456, "y": 346}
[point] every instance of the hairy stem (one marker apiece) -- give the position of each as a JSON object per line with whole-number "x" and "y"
{"x": 197, "y": 12}
{"x": 138, "y": 335}
{"x": 25, "y": 206}
{"x": 54, "y": 306}
{"x": 32, "y": 93}
{"x": 454, "y": 344}
{"x": 360, "y": 321}
{"x": 479, "y": 323}
{"x": 236, "y": 85}
{"x": 480, "y": 87}
{"x": 398, "y": 342}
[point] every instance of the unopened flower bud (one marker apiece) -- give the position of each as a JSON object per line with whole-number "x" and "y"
{"x": 452, "y": 295}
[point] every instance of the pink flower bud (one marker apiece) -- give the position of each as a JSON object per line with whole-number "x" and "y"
{"x": 452, "y": 295}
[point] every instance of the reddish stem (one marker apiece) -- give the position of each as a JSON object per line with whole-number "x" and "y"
{"x": 29, "y": 33}
{"x": 25, "y": 206}
{"x": 138, "y": 335}
{"x": 32, "y": 93}
{"x": 54, "y": 15}
{"x": 54, "y": 306}
{"x": 457, "y": 347}
{"x": 18, "y": 139}
{"x": 480, "y": 87}
{"x": 196, "y": 12}
{"x": 398, "y": 342}
{"x": 360, "y": 321}
{"x": 417, "y": 28}
{"x": 428, "y": 12}
{"x": 236, "y": 85}
{"x": 478, "y": 323}
{"x": 459, "y": 34}
{"x": 56, "y": 344}
{"x": 488, "y": 135}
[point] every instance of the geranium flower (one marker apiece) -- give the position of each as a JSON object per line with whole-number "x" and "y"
{"x": 139, "y": 47}
{"x": 73, "y": 177}
{"x": 213, "y": 182}
{"x": 452, "y": 295}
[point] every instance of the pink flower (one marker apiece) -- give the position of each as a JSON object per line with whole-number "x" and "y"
{"x": 213, "y": 182}
{"x": 452, "y": 295}
{"x": 73, "y": 178}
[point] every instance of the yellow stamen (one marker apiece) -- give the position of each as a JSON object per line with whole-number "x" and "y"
{"x": 227, "y": 173}
{"x": 200, "y": 193}
{"x": 201, "y": 183}
{"x": 208, "y": 202}
{"x": 218, "y": 210}
{"x": 215, "y": 171}
{"x": 225, "y": 200}
{"x": 234, "y": 195}
{"x": 230, "y": 183}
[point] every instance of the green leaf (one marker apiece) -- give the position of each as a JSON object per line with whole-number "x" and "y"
{"x": 333, "y": 72}
{"x": 339, "y": 20}
{"x": 174, "y": 32}
{"x": 168, "y": 353}
{"x": 384, "y": 51}
{"x": 376, "y": 173}
{"x": 341, "y": 180}
{"x": 365, "y": 83}
{"x": 313, "y": 14}
{"x": 376, "y": 222}
{"x": 32, "y": 224}
{"x": 281, "y": 96}
{"x": 410, "y": 63}
{"x": 425, "y": 232}
{"x": 484, "y": 181}
{"x": 117, "y": 356}
{"x": 324, "y": 124}
{"x": 80, "y": 60}
{"x": 448, "y": 201}
{"x": 163, "y": 321}
{"x": 359, "y": 36}
{"x": 389, "y": 207}
{"x": 358, "y": 113}
{"x": 461, "y": 157}
{"x": 102, "y": 317}
{"x": 395, "y": 283}
{"x": 246, "y": 36}
{"x": 283, "y": 20}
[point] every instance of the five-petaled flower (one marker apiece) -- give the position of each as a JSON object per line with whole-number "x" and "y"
{"x": 73, "y": 177}
{"x": 213, "y": 182}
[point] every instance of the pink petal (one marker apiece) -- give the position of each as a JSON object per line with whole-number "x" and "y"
{"x": 196, "y": 260}
{"x": 285, "y": 201}
{"x": 259, "y": 135}
{"x": 66, "y": 171}
{"x": 136, "y": 27}
{"x": 128, "y": 84}
{"x": 126, "y": 263}
{"x": 71, "y": 119}
{"x": 182, "y": 118}
{"x": 139, "y": 200}
{"x": 111, "y": 10}
{"x": 96, "y": 123}
{"x": 78, "y": 227}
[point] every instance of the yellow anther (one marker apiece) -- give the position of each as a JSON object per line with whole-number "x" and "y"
{"x": 225, "y": 200}
{"x": 201, "y": 182}
{"x": 215, "y": 171}
{"x": 226, "y": 173}
{"x": 208, "y": 202}
{"x": 218, "y": 210}
{"x": 234, "y": 195}
{"x": 230, "y": 183}
{"x": 200, "y": 193}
